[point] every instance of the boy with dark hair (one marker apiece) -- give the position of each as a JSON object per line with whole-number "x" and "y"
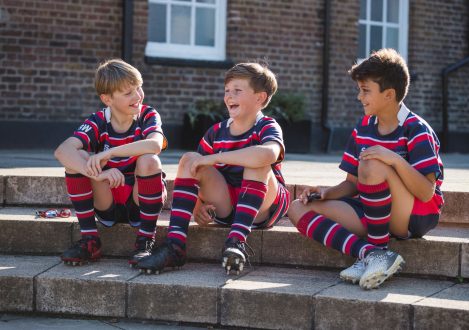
{"x": 122, "y": 180}
{"x": 392, "y": 162}
{"x": 234, "y": 179}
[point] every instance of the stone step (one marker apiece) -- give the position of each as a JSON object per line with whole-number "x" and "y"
{"x": 261, "y": 297}
{"x": 444, "y": 252}
{"x": 50, "y": 191}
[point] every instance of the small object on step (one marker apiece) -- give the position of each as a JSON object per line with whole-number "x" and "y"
{"x": 212, "y": 213}
{"x": 54, "y": 213}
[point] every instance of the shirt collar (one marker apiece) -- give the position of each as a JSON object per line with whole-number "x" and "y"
{"x": 401, "y": 115}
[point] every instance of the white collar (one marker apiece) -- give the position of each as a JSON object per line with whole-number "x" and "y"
{"x": 401, "y": 115}
{"x": 107, "y": 115}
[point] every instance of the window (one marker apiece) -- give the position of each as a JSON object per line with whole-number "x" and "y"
{"x": 187, "y": 29}
{"x": 383, "y": 24}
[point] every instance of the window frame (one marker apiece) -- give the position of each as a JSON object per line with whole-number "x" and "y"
{"x": 402, "y": 26}
{"x": 191, "y": 52}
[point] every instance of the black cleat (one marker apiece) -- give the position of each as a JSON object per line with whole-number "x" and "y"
{"x": 143, "y": 248}
{"x": 166, "y": 255}
{"x": 88, "y": 248}
{"x": 235, "y": 256}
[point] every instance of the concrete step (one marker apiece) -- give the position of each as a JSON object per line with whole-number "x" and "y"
{"x": 444, "y": 252}
{"x": 262, "y": 297}
{"x": 49, "y": 191}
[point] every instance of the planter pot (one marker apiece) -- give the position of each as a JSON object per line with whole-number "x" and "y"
{"x": 191, "y": 135}
{"x": 296, "y": 136}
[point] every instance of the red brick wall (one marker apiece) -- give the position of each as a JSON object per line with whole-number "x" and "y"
{"x": 50, "y": 48}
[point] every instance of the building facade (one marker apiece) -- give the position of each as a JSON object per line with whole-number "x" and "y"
{"x": 49, "y": 50}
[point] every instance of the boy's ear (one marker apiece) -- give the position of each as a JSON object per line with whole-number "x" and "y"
{"x": 262, "y": 97}
{"x": 390, "y": 94}
{"x": 105, "y": 98}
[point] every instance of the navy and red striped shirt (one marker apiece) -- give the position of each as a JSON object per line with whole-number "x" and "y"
{"x": 97, "y": 134}
{"x": 413, "y": 139}
{"x": 219, "y": 139}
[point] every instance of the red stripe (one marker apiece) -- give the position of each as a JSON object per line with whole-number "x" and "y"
{"x": 378, "y": 222}
{"x": 180, "y": 215}
{"x": 81, "y": 198}
{"x": 205, "y": 146}
{"x": 378, "y": 241}
{"x": 176, "y": 236}
{"x": 314, "y": 226}
{"x": 375, "y": 203}
{"x": 85, "y": 215}
{"x": 148, "y": 217}
{"x": 237, "y": 235}
{"x": 177, "y": 194}
{"x": 423, "y": 137}
{"x": 350, "y": 160}
{"x": 350, "y": 242}
{"x": 240, "y": 208}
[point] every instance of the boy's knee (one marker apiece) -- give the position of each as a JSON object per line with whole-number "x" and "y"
{"x": 371, "y": 169}
{"x": 295, "y": 211}
{"x": 148, "y": 164}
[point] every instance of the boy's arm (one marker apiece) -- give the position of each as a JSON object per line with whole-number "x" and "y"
{"x": 153, "y": 144}
{"x": 346, "y": 188}
{"x": 250, "y": 157}
{"x": 67, "y": 153}
{"x": 419, "y": 185}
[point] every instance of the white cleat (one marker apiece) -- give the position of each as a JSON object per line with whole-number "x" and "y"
{"x": 353, "y": 273}
{"x": 380, "y": 265}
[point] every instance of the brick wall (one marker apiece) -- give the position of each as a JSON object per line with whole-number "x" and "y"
{"x": 50, "y": 48}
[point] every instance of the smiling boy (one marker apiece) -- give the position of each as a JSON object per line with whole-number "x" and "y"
{"x": 112, "y": 169}
{"x": 392, "y": 162}
{"x": 234, "y": 179}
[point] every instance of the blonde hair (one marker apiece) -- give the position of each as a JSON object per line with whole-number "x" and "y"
{"x": 260, "y": 77}
{"x": 115, "y": 74}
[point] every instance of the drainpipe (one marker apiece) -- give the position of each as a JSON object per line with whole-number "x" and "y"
{"x": 127, "y": 30}
{"x": 325, "y": 75}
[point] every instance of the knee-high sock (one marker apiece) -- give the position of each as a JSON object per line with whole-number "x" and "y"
{"x": 150, "y": 190}
{"x": 376, "y": 200}
{"x": 333, "y": 235}
{"x": 250, "y": 199}
{"x": 185, "y": 196}
{"x": 81, "y": 194}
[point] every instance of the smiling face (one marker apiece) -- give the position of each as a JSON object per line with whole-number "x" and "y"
{"x": 241, "y": 100}
{"x": 373, "y": 101}
{"x": 126, "y": 101}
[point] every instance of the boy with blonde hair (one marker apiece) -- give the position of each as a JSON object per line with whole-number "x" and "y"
{"x": 112, "y": 169}
{"x": 392, "y": 161}
{"x": 234, "y": 179}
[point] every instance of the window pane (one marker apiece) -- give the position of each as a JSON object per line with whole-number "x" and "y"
{"x": 157, "y": 17}
{"x": 377, "y": 10}
{"x": 362, "y": 41}
{"x": 205, "y": 27}
{"x": 376, "y": 38}
{"x": 392, "y": 38}
{"x": 362, "y": 9}
{"x": 180, "y": 25}
{"x": 206, "y": 1}
{"x": 393, "y": 11}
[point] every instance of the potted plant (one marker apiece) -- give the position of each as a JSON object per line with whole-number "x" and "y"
{"x": 288, "y": 109}
{"x": 199, "y": 119}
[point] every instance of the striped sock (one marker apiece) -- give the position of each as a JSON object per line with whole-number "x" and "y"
{"x": 81, "y": 194}
{"x": 150, "y": 199}
{"x": 333, "y": 235}
{"x": 376, "y": 200}
{"x": 250, "y": 199}
{"x": 185, "y": 196}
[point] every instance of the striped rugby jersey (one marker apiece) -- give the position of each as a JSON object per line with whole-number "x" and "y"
{"x": 413, "y": 139}
{"x": 97, "y": 134}
{"x": 219, "y": 139}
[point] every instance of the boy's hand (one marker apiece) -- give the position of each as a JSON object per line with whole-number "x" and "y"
{"x": 95, "y": 163}
{"x": 201, "y": 161}
{"x": 380, "y": 153}
{"x": 113, "y": 175}
{"x": 204, "y": 214}
{"x": 312, "y": 193}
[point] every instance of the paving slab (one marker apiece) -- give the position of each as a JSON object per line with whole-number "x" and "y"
{"x": 187, "y": 295}
{"x": 448, "y": 308}
{"x": 347, "y": 306}
{"x": 465, "y": 260}
{"x": 34, "y": 190}
{"x": 23, "y": 232}
{"x": 2, "y": 190}
{"x": 273, "y": 298}
{"x": 285, "y": 245}
{"x": 17, "y": 281}
{"x": 95, "y": 289}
